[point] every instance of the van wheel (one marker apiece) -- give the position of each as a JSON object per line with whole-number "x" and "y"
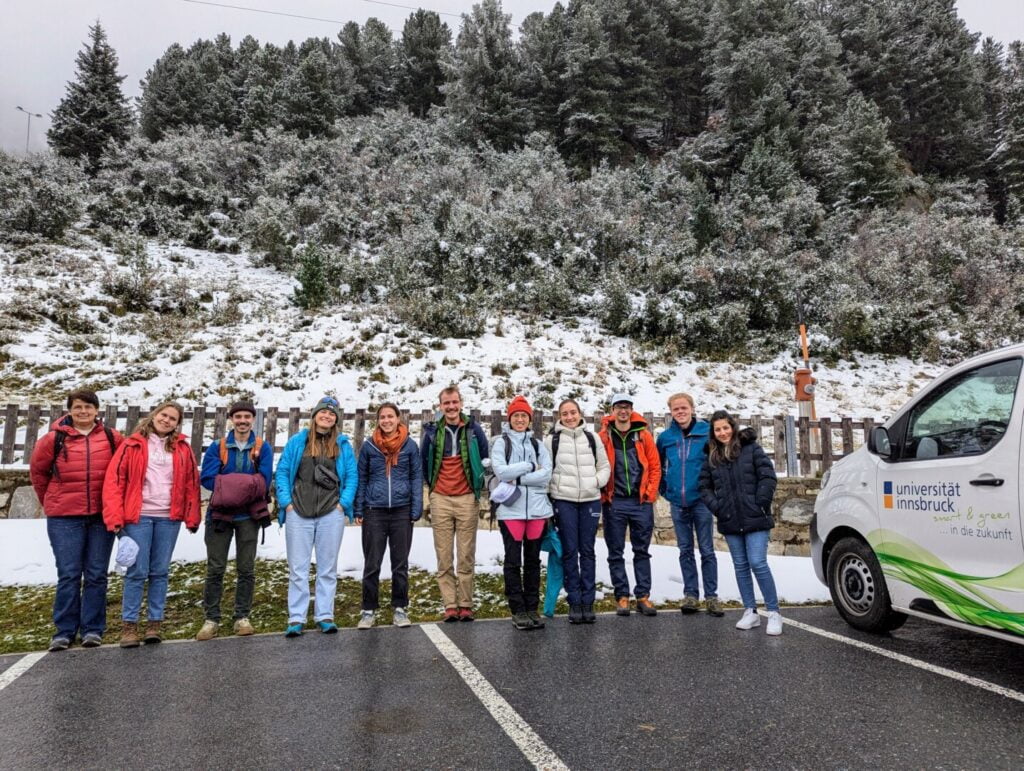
{"x": 858, "y": 588}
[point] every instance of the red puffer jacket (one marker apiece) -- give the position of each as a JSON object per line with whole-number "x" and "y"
{"x": 77, "y": 486}
{"x": 122, "y": 487}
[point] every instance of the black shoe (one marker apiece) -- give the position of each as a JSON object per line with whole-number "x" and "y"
{"x": 588, "y": 614}
{"x": 537, "y": 621}
{"x": 522, "y": 622}
{"x": 575, "y": 614}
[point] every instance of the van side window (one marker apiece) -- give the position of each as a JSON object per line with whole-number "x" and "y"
{"x": 967, "y": 416}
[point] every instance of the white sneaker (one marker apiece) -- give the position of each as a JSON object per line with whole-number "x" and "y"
{"x": 750, "y": 620}
{"x": 401, "y": 618}
{"x": 366, "y": 620}
{"x": 774, "y": 623}
{"x": 208, "y": 630}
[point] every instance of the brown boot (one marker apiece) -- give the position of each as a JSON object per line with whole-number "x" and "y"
{"x": 152, "y": 632}
{"x": 129, "y": 634}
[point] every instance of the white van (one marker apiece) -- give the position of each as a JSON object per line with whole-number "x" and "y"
{"x": 924, "y": 520}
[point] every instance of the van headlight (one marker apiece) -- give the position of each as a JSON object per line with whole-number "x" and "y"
{"x": 825, "y": 477}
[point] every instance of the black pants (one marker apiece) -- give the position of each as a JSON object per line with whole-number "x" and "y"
{"x": 246, "y": 535}
{"x": 522, "y": 571}
{"x": 390, "y": 529}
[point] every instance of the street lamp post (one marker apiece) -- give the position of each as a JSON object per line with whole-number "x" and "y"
{"x": 28, "y": 128}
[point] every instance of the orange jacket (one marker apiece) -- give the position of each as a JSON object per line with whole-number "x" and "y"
{"x": 647, "y": 453}
{"x": 122, "y": 486}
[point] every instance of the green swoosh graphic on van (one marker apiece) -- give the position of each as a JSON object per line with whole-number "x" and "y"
{"x": 958, "y": 595}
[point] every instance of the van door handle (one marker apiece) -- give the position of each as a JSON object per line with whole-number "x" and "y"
{"x": 990, "y": 481}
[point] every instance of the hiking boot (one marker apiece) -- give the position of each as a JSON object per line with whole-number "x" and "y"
{"x": 575, "y": 614}
{"x": 713, "y": 607}
{"x": 400, "y": 617}
{"x": 750, "y": 619}
{"x": 92, "y": 640}
{"x": 537, "y": 621}
{"x": 130, "y": 634}
{"x": 152, "y": 633}
{"x": 774, "y": 623}
{"x": 243, "y": 627}
{"x": 690, "y": 605}
{"x": 59, "y": 643}
{"x": 208, "y": 630}
{"x": 366, "y": 619}
{"x": 327, "y": 626}
{"x": 588, "y": 613}
{"x": 522, "y": 622}
{"x": 645, "y": 608}
{"x": 293, "y": 630}
{"x": 450, "y": 615}
{"x": 622, "y": 606}
{"x": 465, "y": 614}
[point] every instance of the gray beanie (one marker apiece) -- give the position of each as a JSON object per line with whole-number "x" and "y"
{"x": 327, "y": 403}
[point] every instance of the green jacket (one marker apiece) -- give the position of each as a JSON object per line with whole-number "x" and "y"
{"x": 472, "y": 449}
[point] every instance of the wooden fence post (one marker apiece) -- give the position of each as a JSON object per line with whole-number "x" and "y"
{"x": 359, "y": 431}
{"x": 825, "y": 426}
{"x": 779, "y": 432}
{"x": 31, "y": 430}
{"x": 10, "y": 433}
{"x": 270, "y": 428}
{"x": 293, "y": 421}
{"x": 847, "y": 425}
{"x": 198, "y": 429}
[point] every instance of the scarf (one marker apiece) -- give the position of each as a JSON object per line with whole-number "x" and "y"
{"x": 391, "y": 446}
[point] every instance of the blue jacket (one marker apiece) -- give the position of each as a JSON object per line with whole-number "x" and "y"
{"x": 681, "y": 454}
{"x": 288, "y": 468}
{"x": 525, "y": 469}
{"x": 239, "y": 462}
{"x": 378, "y": 489}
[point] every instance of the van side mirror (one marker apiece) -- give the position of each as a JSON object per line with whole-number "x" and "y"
{"x": 878, "y": 443}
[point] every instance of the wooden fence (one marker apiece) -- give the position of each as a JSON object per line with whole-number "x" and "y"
{"x": 799, "y": 446}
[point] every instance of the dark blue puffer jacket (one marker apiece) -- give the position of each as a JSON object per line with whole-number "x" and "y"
{"x": 404, "y": 487}
{"x": 739, "y": 493}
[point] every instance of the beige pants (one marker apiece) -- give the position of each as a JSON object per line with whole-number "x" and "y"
{"x": 455, "y": 519}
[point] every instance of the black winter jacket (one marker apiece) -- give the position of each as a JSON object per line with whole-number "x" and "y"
{"x": 740, "y": 493}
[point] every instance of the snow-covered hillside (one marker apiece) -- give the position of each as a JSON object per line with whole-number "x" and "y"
{"x": 64, "y": 322}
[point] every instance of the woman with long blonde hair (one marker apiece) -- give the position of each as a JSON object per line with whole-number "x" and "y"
{"x": 151, "y": 486}
{"x": 316, "y": 489}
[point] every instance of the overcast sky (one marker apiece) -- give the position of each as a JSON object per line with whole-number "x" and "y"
{"x": 39, "y": 39}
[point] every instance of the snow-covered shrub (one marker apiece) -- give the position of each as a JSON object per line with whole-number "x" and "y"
{"x": 41, "y": 194}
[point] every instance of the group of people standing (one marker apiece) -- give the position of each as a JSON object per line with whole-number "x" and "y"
{"x": 97, "y": 486}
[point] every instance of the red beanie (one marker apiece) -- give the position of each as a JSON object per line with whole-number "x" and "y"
{"x": 519, "y": 404}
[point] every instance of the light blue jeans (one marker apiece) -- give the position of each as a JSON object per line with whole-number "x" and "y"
{"x": 301, "y": 537}
{"x": 156, "y": 537}
{"x": 750, "y": 554}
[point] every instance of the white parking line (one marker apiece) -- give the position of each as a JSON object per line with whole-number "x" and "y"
{"x": 18, "y": 668}
{"x": 1009, "y": 693}
{"x": 518, "y": 730}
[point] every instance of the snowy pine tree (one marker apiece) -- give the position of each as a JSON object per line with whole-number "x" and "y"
{"x": 426, "y": 43}
{"x": 1010, "y": 152}
{"x": 308, "y": 100}
{"x": 94, "y": 113}
{"x": 486, "y": 92}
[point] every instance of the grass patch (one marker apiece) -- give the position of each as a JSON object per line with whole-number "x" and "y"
{"x": 26, "y": 611}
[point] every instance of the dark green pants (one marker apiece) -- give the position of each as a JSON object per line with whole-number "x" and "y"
{"x": 246, "y": 534}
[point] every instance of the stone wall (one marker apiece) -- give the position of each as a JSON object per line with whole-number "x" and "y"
{"x": 17, "y": 498}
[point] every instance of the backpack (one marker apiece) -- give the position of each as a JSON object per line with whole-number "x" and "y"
{"x": 556, "y": 435}
{"x": 492, "y": 478}
{"x": 254, "y": 453}
{"x": 58, "y": 445}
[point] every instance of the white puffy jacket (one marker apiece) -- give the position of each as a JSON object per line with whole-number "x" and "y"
{"x": 577, "y": 476}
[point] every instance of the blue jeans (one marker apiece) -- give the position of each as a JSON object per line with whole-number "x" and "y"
{"x": 687, "y": 520}
{"x": 750, "y": 553}
{"x": 81, "y": 547}
{"x": 301, "y": 537}
{"x": 156, "y": 537}
{"x": 640, "y": 518}
{"x": 577, "y": 529}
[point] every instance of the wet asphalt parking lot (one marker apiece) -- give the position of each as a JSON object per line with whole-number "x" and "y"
{"x": 668, "y": 692}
